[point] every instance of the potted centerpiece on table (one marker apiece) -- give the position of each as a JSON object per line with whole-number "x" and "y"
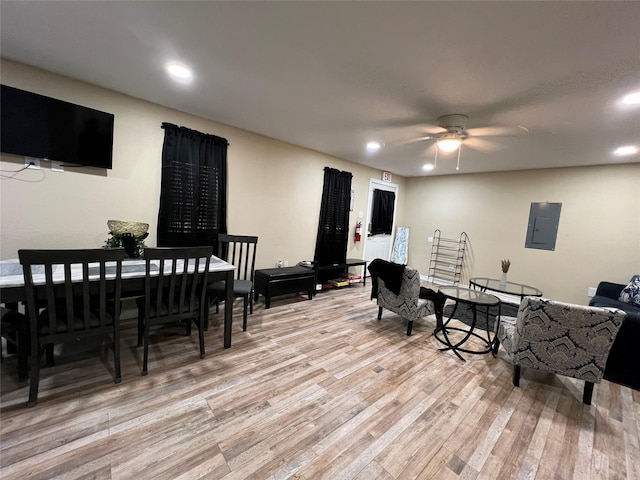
{"x": 129, "y": 235}
{"x": 505, "y": 268}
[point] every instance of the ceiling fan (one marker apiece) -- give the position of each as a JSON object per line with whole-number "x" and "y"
{"x": 451, "y": 133}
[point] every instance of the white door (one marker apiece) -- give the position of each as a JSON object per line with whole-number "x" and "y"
{"x": 378, "y": 246}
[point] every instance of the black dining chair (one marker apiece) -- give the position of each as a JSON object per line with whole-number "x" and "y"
{"x": 174, "y": 292}
{"x": 240, "y": 251}
{"x": 78, "y": 298}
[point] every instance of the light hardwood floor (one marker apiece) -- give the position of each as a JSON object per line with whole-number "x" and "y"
{"x": 314, "y": 389}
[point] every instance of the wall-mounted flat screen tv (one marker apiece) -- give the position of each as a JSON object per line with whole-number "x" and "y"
{"x": 37, "y": 126}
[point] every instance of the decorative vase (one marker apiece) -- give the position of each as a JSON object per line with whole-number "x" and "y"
{"x": 503, "y": 280}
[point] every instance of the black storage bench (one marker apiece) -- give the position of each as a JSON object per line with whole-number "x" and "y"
{"x": 271, "y": 282}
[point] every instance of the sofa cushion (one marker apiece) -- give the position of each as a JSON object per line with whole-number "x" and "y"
{"x": 631, "y": 293}
{"x": 601, "y": 301}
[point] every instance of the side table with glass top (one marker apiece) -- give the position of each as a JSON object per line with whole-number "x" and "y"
{"x": 476, "y": 300}
{"x": 483, "y": 284}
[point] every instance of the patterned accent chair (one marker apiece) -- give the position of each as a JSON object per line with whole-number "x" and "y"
{"x": 407, "y": 303}
{"x": 566, "y": 339}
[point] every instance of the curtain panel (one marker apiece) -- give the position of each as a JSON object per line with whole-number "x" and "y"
{"x": 382, "y": 212}
{"x": 193, "y": 192}
{"x": 333, "y": 227}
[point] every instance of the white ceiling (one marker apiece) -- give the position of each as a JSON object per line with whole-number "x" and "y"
{"x": 333, "y": 75}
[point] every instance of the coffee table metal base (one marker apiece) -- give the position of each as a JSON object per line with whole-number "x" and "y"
{"x": 475, "y": 302}
{"x": 445, "y": 329}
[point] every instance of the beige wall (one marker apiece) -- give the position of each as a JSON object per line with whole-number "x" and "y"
{"x": 274, "y": 187}
{"x": 598, "y": 235}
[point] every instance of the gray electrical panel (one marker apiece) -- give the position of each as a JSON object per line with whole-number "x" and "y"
{"x": 542, "y": 231}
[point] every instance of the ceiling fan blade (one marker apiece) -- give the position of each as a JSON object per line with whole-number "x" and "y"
{"x": 495, "y": 131}
{"x": 432, "y": 129}
{"x": 481, "y": 144}
{"x": 420, "y": 139}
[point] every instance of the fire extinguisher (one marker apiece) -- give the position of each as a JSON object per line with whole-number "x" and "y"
{"x": 358, "y": 231}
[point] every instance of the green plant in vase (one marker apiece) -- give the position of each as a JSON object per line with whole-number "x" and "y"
{"x": 116, "y": 240}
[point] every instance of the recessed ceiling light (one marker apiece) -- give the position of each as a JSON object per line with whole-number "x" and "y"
{"x": 179, "y": 72}
{"x": 427, "y": 167}
{"x": 631, "y": 99}
{"x": 373, "y": 147}
{"x": 625, "y": 151}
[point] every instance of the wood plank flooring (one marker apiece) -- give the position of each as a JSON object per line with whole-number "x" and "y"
{"x": 313, "y": 390}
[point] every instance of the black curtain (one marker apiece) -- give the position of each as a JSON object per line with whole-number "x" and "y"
{"x": 193, "y": 192}
{"x": 382, "y": 212}
{"x": 333, "y": 228}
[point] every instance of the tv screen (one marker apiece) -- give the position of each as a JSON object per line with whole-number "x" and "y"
{"x": 43, "y": 127}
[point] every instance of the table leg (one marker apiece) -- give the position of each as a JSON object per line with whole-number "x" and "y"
{"x": 495, "y": 343}
{"x": 228, "y": 309}
{"x": 441, "y": 326}
{"x": 456, "y": 348}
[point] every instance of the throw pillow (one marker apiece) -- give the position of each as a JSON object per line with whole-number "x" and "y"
{"x": 631, "y": 293}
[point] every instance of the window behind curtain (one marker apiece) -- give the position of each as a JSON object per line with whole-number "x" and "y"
{"x": 193, "y": 194}
{"x": 333, "y": 227}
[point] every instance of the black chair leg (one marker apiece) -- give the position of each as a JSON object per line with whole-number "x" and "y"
{"x": 409, "y": 327}
{"x": 200, "y": 325}
{"x": 207, "y": 305}
{"x": 23, "y": 356}
{"x": 588, "y": 392}
{"x": 34, "y": 380}
{"x": 244, "y": 315}
{"x": 140, "y": 329}
{"x": 145, "y": 355}
{"x": 116, "y": 354}
{"x": 48, "y": 350}
{"x": 516, "y": 375}
{"x": 379, "y": 313}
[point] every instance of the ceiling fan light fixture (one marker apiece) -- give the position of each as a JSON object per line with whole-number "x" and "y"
{"x": 449, "y": 144}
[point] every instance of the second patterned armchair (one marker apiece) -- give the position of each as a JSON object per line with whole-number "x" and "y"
{"x": 562, "y": 338}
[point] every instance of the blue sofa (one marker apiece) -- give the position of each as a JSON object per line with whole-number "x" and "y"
{"x": 623, "y": 364}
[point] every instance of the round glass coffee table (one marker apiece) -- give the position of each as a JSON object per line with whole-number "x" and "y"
{"x": 476, "y": 300}
{"x": 511, "y": 288}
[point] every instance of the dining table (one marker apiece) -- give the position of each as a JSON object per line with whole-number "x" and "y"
{"x": 12, "y": 291}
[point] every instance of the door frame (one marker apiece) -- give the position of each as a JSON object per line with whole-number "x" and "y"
{"x": 381, "y": 185}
